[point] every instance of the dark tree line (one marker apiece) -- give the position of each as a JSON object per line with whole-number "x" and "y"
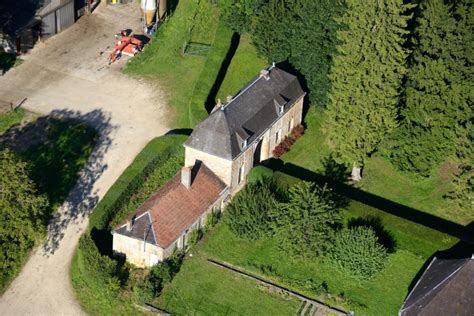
{"x": 393, "y": 77}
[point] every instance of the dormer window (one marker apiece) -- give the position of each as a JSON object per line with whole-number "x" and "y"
{"x": 244, "y": 143}
{"x": 282, "y": 109}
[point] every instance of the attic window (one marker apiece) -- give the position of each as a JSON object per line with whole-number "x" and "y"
{"x": 282, "y": 109}
{"x": 244, "y": 143}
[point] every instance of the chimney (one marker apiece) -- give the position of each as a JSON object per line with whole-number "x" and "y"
{"x": 186, "y": 177}
{"x": 131, "y": 222}
{"x": 265, "y": 74}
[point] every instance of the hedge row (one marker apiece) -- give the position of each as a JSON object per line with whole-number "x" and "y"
{"x": 154, "y": 154}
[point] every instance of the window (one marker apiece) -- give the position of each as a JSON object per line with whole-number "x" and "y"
{"x": 244, "y": 144}
{"x": 241, "y": 173}
{"x": 292, "y": 123}
{"x": 282, "y": 109}
{"x": 278, "y": 136}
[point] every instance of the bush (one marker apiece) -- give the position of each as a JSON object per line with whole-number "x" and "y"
{"x": 305, "y": 225}
{"x": 248, "y": 215}
{"x": 357, "y": 252}
{"x": 212, "y": 220}
{"x": 194, "y": 237}
{"x": 297, "y": 131}
{"x": 259, "y": 173}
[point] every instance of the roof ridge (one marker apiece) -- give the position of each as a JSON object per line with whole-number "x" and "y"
{"x": 443, "y": 281}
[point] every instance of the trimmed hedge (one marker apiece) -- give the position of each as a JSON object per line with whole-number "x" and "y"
{"x": 154, "y": 154}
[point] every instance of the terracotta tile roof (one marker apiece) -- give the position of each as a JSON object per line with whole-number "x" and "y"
{"x": 174, "y": 208}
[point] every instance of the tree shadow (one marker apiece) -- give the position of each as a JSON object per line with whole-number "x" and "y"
{"x": 180, "y": 131}
{"x": 211, "y": 98}
{"x": 465, "y": 233}
{"x": 77, "y": 198}
{"x": 385, "y": 237}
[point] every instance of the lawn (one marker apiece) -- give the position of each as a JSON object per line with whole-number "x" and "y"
{"x": 245, "y": 65}
{"x": 204, "y": 289}
{"x": 380, "y": 177}
{"x": 10, "y": 119}
{"x": 186, "y": 80}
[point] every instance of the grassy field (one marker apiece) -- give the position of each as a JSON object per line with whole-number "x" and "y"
{"x": 10, "y": 119}
{"x": 204, "y": 289}
{"x": 245, "y": 65}
{"x": 185, "y": 79}
{"x": 380, "y": 177}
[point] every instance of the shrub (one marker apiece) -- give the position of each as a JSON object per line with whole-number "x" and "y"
{"x": 194, "y": 237}
{"x": 297, "y": 131}
{"x": 248, "y": 215}
{"x": 306, "y": 223}
{"x": 357, "y": 252}
{"x": 259, "y": 173}
{"x": 212, "y": 220}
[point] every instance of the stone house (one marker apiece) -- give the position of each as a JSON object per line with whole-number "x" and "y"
{"x": 219, "y": 154}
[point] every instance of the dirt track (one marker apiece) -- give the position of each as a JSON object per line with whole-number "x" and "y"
{"x": 68, "y": 77}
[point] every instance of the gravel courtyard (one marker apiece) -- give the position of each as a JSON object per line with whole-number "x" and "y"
{"x": 68, "y": 76}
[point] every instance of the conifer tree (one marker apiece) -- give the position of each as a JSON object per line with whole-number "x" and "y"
{"x": 438, "y": 110}
{"x": 366, "y": 78}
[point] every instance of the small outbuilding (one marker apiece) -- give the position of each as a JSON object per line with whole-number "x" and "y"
{"x": 163, "y": 223}
{"x": 445, "y": 288}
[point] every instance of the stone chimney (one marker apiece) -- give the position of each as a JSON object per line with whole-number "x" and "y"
{"x": 265, "y": 74}
{"x": 186, "y": 177}
{"x": 130, "y": 223}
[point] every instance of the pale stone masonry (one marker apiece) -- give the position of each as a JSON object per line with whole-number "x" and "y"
{"x": 244, "y": 131}
{"x": 219, "y": 154}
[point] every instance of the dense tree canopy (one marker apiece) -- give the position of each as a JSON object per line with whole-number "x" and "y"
{"x": 439, "y": 90}
{"x": 366, "y": 78}
{"x": 302, "y": 32}
{"x": 22, "y": 212}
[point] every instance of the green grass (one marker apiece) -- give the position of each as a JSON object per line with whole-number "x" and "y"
{"x": 201, "y": 288}
{"x": 56, "y": 163}
{"x": 245, "y": 65}
{"x": 185, "y": 80}
{"x": 10, "y": 119}
{"x": 380, "y": 177}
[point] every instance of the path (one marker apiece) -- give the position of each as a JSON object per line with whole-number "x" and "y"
{"x": 67, "y": 76}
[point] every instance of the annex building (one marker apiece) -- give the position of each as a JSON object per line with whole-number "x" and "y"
{"x": 219, "y": 154}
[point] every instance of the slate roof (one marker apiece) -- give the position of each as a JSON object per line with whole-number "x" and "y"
{"x": 445, "y": 288}
{"x": 174, "y": 208}
{"x": 255, "y": 108}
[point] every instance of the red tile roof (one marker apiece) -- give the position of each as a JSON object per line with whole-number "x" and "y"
{"x": 174, "y": 208}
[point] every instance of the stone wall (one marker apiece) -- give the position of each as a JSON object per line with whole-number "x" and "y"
{"x": 137, "y": 251}
{"x": 220, "y": 166}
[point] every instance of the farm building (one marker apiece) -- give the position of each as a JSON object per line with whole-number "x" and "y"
{"x": 219, "y": 154}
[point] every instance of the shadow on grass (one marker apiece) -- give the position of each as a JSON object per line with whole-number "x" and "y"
{"x": 180, "y": 131}
{"x": 211, "y": 98}
{"x": 385, "y": 237}
{"x": 65, "y": 151}
{"x": 464, "y": 233}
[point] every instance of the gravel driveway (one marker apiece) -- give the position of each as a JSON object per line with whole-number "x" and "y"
{"x": 67, "y": 76}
